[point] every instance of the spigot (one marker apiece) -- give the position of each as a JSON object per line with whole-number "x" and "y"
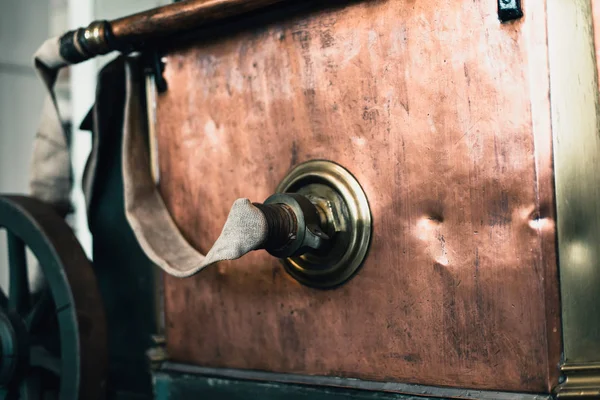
{"x": 318, "y": 224}
{"x": 295, "y": 225}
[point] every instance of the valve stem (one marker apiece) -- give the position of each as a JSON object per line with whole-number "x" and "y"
{"x": 294, "y": 225}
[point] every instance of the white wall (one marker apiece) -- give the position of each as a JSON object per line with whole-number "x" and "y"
{"x": 23, "y": 26}
{"x": 109, "y": 9}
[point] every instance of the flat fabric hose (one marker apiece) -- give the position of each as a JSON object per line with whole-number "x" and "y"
{"x": 246, "y": 226}
{"x": 50, "y": 175}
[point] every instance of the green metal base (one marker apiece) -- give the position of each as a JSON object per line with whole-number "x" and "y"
{"x": 177, "y": 386}
{"x": 175, "y": 381}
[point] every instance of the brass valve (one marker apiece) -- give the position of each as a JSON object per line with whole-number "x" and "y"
{"x": 319, "y": 224}
{"x": 294, "y": 225}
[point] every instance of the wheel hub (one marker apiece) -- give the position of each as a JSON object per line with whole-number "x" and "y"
{"x": 14, "y": 345}
{"x": 45, "y": 349}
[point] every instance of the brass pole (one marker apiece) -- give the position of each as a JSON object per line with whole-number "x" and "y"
{"x": 136, "y": 31}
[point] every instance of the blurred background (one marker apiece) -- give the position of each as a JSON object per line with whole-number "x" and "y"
{"x": 24, "y": 25}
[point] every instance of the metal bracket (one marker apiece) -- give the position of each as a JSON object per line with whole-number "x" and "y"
{"x": 509, "y": 10}
{"x": 157, "y": 354}
{"x": 153, "y": 65}
{"x": 582, "y": 381}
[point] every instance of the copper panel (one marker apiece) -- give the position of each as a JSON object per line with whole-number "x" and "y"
{"x": 442, "y": 115}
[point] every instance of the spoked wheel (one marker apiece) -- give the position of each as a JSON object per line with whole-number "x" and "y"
{"x": 53, "y": 342}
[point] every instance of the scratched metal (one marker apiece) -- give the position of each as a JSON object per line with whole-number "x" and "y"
{"x": 442, "y": 114}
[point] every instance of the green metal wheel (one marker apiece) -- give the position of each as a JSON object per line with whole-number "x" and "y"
{"x": 52, "y": 342}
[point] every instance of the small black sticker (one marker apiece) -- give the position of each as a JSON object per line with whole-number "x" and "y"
{"x": 509, "y": 10}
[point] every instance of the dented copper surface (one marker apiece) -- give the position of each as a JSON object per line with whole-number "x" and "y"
{"x": 441, "y": 113}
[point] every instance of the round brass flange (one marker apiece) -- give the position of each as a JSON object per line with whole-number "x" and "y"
{"x": 344, "y": 210}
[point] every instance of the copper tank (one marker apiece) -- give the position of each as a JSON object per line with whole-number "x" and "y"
{"x": 442, "y": 114}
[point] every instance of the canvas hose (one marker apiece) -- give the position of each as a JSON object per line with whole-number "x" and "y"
{"x": 245, "y": 229}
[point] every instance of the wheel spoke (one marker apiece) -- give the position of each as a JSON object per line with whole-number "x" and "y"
{"x": 3, "y": 305}
{"x": 41, "y": 358}
{"x": 42, "y": 308}
{"x": 18, "y": 289}
{"x": 31, "y": 387}
{"x": 9, "y": 393}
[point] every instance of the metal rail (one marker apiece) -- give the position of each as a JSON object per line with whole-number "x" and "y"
{"x": 134, "y": 32}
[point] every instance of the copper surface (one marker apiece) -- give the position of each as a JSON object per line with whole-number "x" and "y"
{"x": 441, "y": 113}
